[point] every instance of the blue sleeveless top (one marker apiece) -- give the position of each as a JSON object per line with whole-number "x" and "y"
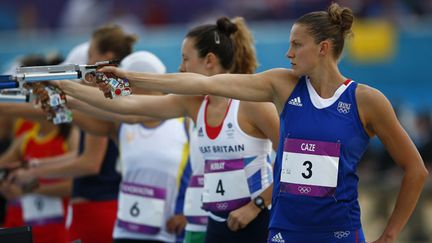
{"x": 103, "y": 186}
{"x": 311, "y": 129}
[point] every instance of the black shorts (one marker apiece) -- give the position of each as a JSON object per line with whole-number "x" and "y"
{"x": 135, "y": 241}
{"x": 256, "y": 231}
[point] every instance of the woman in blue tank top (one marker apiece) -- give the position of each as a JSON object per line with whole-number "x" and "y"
{"x": 326, "y": 123}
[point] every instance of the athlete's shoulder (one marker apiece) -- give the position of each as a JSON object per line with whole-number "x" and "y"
{"x": 283, "y": 82}
{"x": 284, "y": 73}
{"x": 371, "y": 103}
{"x": 191, "y": 104}
{"x": 368, "y": 95}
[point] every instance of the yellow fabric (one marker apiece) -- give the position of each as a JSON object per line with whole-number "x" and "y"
{"x": 184, "y": 157}
{"x": 374, "y": 41}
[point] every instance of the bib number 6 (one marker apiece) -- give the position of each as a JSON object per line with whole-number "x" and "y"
{"x": 134, "y": 211}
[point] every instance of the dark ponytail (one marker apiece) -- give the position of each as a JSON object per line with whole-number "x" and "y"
{"x": 215, "y": 39}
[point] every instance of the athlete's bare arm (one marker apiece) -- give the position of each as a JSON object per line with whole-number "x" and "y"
{"x": 77, "y": 105}
{"x": 59, "y": 189}
{"x": 264, "y": 117}
{"x": 21, "y": 110}
{"x": 88, "y": 163}
{"x": 159, "y": 106}
{"x": 379, "y": 118}
{"x": 273, "y": 85}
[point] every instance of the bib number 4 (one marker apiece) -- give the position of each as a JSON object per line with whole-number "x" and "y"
{"x": 219, "y": 188}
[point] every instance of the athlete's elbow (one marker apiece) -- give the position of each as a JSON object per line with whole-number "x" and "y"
{"x": 423, "y": 174}
{"x": 94, "y": 170}
{"x": 419, "y": 172}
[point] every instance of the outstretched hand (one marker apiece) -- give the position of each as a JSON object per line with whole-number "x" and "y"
{"x": 113, "y": 70}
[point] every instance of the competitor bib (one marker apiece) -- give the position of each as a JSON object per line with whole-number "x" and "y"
{"x": 141, "y": 208}
{"x": 42, "y": 210}
{"x": 225, "y": 185}
{"x": 309, "y": 168}
{"x": 193, "y": 201}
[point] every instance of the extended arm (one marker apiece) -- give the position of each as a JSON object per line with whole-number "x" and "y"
{"x": 159, "y": 106}
{"x": 25, "y": 110}
{"x": 263, "y": 86}
{"x": 93, "y": 111}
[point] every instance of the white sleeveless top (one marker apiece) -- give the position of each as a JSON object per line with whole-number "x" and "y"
{"x": 196, "y": 216}
{"x": 153, "y": 161}
{"x": 237, "y": 165}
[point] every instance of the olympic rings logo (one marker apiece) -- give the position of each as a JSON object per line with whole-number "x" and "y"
{"x": 222, "y": 206}
{"x": 341, "y": 234}
{"x": 343, "y": 110}
{"x": 304, "y": 189}
{"x": 343, "y": 107}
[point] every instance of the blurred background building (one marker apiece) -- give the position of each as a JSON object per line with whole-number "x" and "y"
{"x": 391, "y": 51}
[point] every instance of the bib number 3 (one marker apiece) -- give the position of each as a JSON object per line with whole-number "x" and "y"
{"x": 308, "y": 167}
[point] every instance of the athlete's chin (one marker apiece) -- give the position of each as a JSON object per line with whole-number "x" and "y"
{"x": 297, "y": 71}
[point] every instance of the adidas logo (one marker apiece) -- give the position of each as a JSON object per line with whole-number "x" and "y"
{"x": 295, "y": 101}
{"x": 200, "y": 132}
{"x": 278, "y": 238}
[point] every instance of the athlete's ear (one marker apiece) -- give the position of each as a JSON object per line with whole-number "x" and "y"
{"x": 324, "y": 47}
{"x": 210, "y": 60}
